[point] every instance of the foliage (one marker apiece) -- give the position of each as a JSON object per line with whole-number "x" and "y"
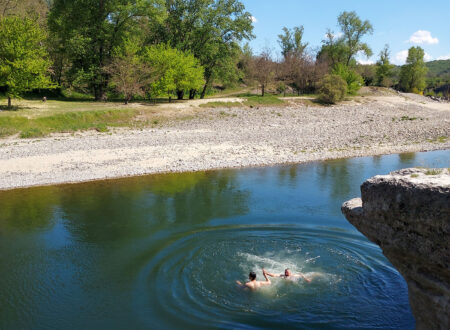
{"x": 353, "y": 30}
{"x": 367, "y": 72}
{"x": 353, "y": 79}
{"x": 439, "y": 68}
{"x": 332, "y": 89}
{"x": 413, "y": 73}
{"x": 86, "y": 32}
{"x": 23, "y": 58}
{"x": 343, "y": 49}
{"x": 210, "y": 29}
{"x": 384, "y": 69}
{"x": 178, "y": 71}
{"x": 129, "y": 75}
{"x": 291, "y": 42}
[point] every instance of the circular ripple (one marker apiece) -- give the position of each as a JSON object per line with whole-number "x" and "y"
{"x": 191, "y": 281}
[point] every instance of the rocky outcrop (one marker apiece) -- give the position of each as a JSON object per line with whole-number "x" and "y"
{"x": 407, "y": 213}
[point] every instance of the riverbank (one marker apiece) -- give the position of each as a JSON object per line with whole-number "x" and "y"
{"x": 221, "y": 137}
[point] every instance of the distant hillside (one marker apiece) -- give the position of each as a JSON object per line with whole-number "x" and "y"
{"x": 438, "y": 68}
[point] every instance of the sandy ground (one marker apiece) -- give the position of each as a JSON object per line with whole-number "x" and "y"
{"x": 236, "y": 137}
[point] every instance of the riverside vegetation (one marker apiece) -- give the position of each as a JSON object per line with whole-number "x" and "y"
{"x": 152, "y": 49}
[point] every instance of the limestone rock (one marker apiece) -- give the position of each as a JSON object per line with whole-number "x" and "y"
{"x": 407, "y": 213}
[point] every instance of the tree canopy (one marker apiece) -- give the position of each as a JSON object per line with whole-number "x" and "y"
{"x": 413, "y": 73}
{"x": 24, "y": 62}
{"x": 291, "y": 42}
{"x": 178, "y": 71}
{"x": 87, "y": 32}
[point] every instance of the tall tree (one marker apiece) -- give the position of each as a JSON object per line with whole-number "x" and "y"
{"x": 413, "y": 73}
{"x": 23, "y": 58}
{"x": 384, "y": 68}
{"x": 291, "y": 42}
{"x": 210, "y": 29}
{"x": 87, "y": 31}
{"x": 354, "y": 30}
{"x": 342, "y": 49}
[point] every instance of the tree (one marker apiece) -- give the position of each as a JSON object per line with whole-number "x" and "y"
{"x": 413, "y": 73}
{"x": 209, "y": 29}
{"x": 23, "y": 58}
{"x": 383, "y": 71}
{"x": 291, "y": 42}
{"x": 344, "y": 48}
{"x": 129, "y": 75}
{"x": 178, "y": 71}
{"x": 353, "y": 30}
{"x": 263, "y": 70}
{"x": 87, "y": 32}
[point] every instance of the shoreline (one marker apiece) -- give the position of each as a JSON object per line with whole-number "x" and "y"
{"x": 231, "y": 167}
{"x": 230, "y": 138}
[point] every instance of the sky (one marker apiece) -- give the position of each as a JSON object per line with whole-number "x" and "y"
{"x": 399, "y": 23}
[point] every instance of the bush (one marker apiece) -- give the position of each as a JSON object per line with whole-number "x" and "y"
{"x": 354, "y": 80}
{"x": 332, "y": 89}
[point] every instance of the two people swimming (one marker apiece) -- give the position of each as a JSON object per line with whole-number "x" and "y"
{"x": 253, "y": 284}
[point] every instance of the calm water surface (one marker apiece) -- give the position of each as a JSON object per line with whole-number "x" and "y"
{"x": 164, "y": 251}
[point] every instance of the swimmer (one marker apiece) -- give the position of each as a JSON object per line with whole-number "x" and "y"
{"x": 253, "y": 284}
{"x": 289, "y": 275}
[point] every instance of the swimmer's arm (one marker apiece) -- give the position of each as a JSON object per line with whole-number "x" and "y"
{"x": 270, "y": 274}
{"x": 303, "y": 276}
{"x": 267, "y": 282}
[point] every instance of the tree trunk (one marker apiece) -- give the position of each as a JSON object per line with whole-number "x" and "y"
{"x": 202, "y": 95}
{"x": 263, "y": 90}
{"x": 9, "y": 102}
{"x": 180, "y": 95}
{"x": 192, "y": 94}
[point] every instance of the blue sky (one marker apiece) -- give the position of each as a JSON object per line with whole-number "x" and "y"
{"x": 399, "y": 23}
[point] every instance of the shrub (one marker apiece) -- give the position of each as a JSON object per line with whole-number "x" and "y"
{"x": 332, "y": 89}
{"x": 354, "y": 80}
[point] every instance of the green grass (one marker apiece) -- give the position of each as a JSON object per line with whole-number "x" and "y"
{"x": 433, "y": 172}
{"x": 65, "y": 122}
{"x": 219, "y": 104}
{"x": 267, "y": 100}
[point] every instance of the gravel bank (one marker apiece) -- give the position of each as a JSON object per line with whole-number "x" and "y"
{"x": 225, "y": 138}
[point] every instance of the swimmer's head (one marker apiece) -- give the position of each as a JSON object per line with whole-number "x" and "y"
{"x": 252, "y": 276}
{"x": 287, "y": 272}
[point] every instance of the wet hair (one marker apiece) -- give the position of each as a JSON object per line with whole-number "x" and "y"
{"x": 252, "y": 275}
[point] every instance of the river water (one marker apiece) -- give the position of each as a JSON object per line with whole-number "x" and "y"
{"x": 164, "y": 251}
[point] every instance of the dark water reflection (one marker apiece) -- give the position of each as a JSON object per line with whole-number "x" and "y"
{"x": 163, "y": 251}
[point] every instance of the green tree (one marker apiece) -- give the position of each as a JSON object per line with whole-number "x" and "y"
{"x": 413, "y": 73}
{"x": 352, "y": 78}
{"x": 353, "y": 30}
{"x": 384, "y": 68}
{"x": 87, "y": 31}
{"x": 23, "y": 58}
{"x": 209, "y": 29}
{"x": 343, "y": 49}
{"x": 291, "y": 42}
{"x": 178, "y": 71}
